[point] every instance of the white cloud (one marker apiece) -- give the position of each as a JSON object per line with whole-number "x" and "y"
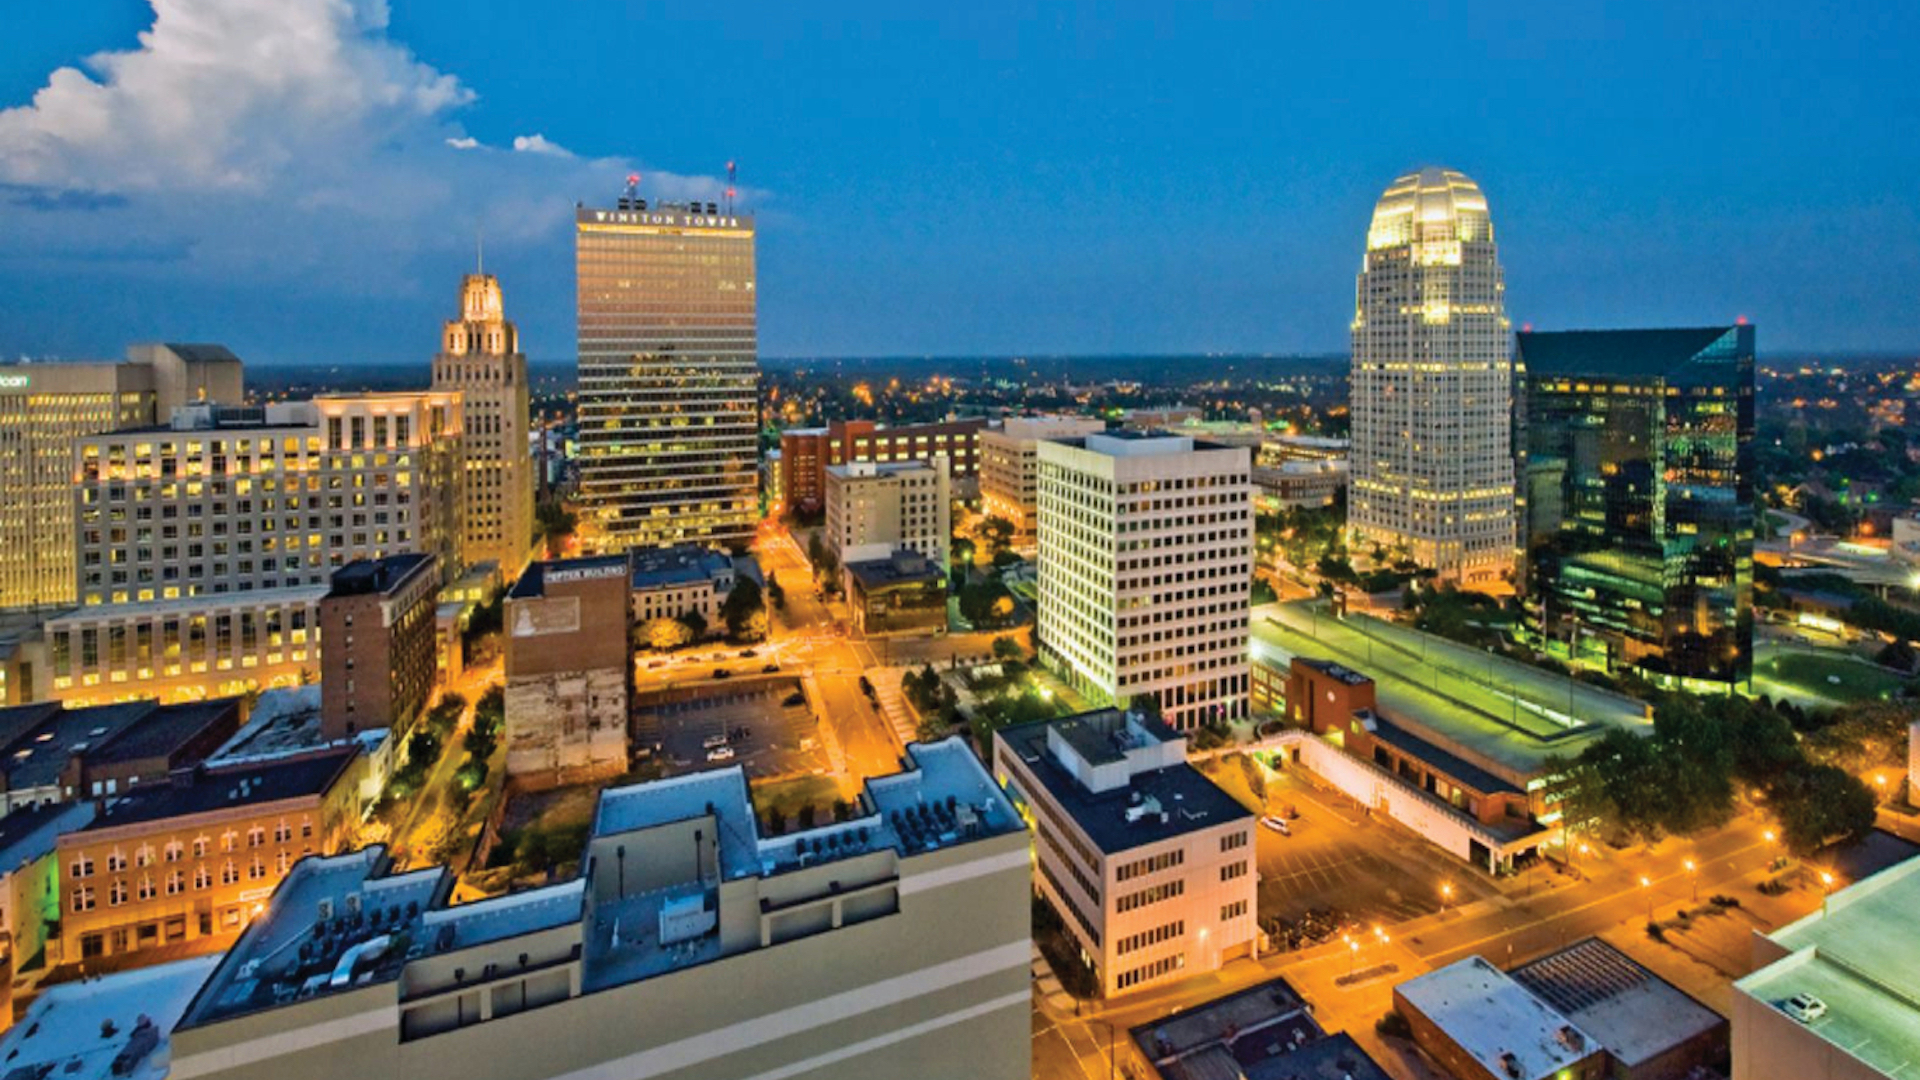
{"x": 539, "y": 144}
{"x": 275, "y": 138}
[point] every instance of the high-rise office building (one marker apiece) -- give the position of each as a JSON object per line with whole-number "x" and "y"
{"x": 480, "y": 358}
{"x": 43, "y": 408}
{"x": 669, "y": 375}
{"x": 1637, "y": 499}
{"x": 1147, "y": 567}
{"x": 1432, "y": 394}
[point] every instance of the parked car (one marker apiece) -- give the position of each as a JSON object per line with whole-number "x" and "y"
{"x": 714, "y": 742}
{"x": 1277, "y": 824}
{"x": 720, "y": 753}
{"x": 722, "y": 673}
{"x": 1805, "y": 1008}
{"x": 795, "y": 698}
{"x": 748, "y": 654}
{"x": 770, "y": 669}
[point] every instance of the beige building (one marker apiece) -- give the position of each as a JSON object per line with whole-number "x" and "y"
{"x": 1148, "y": 571}
{"x": 669, "y": 582}
{"x": 569, "y": 668}
{"x": 43, "y": 409}
{"x": 692, "y": 946}
{"x": 480, "y": 359}
{"x": 1150, "y": 865}
{"x": 185, "y": 649}
{"x": 875, "y": 507}
{"x": 1010, "y": 468}
{"x": 1856, "y": 961}
{"x": 226, "y": 500}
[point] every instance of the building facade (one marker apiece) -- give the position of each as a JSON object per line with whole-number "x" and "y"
{"x": 1150, "y": 865}
{"x": 480, "y": 359}
{"x": 228, "y": 500}
{"x": 807, "y": 453}
{"x": 669, "y": 582}
{"x": 1145, "y": 587}
{"x": 185, "y": 649}
{"x": 569, "y": 668}
{"x": 874, "y": 508}
{"x": 1637, "y": 500}
{"x": 1432, "y": 393}
{"x": 378, "y": 619}
{"x": 43, "y": 409}
{"x": 1010, "y": 468}
{"x": 198, "y": 860}
{"x": 669, "y": 375}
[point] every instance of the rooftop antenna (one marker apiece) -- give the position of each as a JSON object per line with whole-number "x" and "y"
{"x": 730, "y": 190}
{"x": 633, "y": 185}
{"x": 479, "y": 251}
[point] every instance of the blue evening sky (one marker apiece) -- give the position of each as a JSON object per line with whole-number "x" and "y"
{"x": 959, "y": 179}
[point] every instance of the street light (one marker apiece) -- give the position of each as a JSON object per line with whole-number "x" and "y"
{"x": 1826, "y": 890}
{"x": 1446, "y": 894}
{"x": 1646, "y": 885}
{"x": 1692, "y": 872}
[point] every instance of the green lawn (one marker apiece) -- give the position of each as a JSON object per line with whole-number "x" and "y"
{"x": 1803, "y": 676}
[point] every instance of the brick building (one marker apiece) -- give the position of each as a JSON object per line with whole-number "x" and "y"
{"x": 378, "y": 622}
{"x": 806, "y": 453}
{"x": 569, "y": 677}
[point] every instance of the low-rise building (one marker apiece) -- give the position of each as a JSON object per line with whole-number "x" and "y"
{"x": 569, "y": 627}
{"x": 1585, "y": 1012}
{"x": 1309, "y": 449}
{"x": 807, "y": 453}
{"x": 378, "y": 619}
{"x": 1265, "y": 1032}
{"x": 669, "y": 582}
{"x": 904, "y": 592}
{"x": 186, "y": 649}
{"x": 1295, "y": 485}
{"x": 892, "y": 944}
{"x": 875, "y": 507}
{"x": 1010, "y": 468}
{"x": 1852, "y": 972}
{"x": 196, "y": 860}
{"x": 107, "y": 1029}
{"x": 50, "y": 754}
{"x": 30, "y": 888}
{"x": 1149, "y": 863}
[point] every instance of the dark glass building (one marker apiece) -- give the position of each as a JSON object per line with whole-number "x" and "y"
{"x": 1636, "y": 499}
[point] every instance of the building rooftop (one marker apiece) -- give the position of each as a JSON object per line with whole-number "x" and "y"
{"x": 1624, "y": 353}
{"x": 216, "y": 789}
{"x": 1459, "y": 768}
{"x": 684, "y": 564}
{"x": 1151, "y": 805}
{"x": 903, "y": 567}
{"x": 533, "y": 581}
{"x": 1634, "y": 1013}
{"x": 285, "y": 722}
{"x": 1861, "y": 956}
{"x": 193, "y": 605}
{"x": 28, "y": 833}
{"x": 62, "y": 1036}
{"x": 165, "y": 729}
{"x": 364, "y": 577}
{"x": 37, "y": 758}
{"x": 1492, "y": 1017}
{"x": 1264, "y": 1032}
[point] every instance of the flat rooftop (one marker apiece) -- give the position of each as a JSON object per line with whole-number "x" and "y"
{"x": 1511, "y": 715}
{"x": 244, "y": 786}
{"x": 61, "y": 1037}
{"x": 364, "y": 576}
{"x": 533, "y": 581}
{"x": 37, "y": 757}
{"x": 1264, "y": 1032}
{"x": 1489, "y": 1015}
{"x": 165, "y": 729}
{"x": 685, "y": 564}
{"x": 1186, "y": 799}
{"x": 1862, "y": 957}
{"x": 1634, "y": 1013}
{"x": 194, "y": 605}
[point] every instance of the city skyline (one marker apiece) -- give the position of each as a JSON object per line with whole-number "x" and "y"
{"x": 1010, "y": 160}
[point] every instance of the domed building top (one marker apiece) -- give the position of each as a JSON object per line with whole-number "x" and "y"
{"x": 1432, "y": 204}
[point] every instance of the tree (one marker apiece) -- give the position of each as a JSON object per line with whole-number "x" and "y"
{"x": 695, "y": 623}
{"x": 744, "y": 611}
{"x": 1821, "y": 804}
{"x": 985, "y": 603}
{"x": 1263, "y": 591}
{"x": 997, "y": 532}
{"x": 1898, "y": 655}
{"x": 664, "y": 633}
{"x": 556, "y": 523}
{"x": 962, "y": 551}
{"x": 776, "y": 595}
{"x": 1008, "y": 648}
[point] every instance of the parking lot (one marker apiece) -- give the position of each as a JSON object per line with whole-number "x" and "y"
{"x": 762, "y": 724}
{"x": 1346, "y": 867}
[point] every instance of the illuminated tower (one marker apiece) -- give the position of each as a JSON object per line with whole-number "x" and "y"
{"x": 480, "y": 357}
{"x": 669, "y": 374}
{"x": 1432, "y": 384}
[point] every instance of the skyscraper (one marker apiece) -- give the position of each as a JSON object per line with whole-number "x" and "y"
{"x": 669, "y": 374}
{"x": 480, "y": 358}
{"x": 1432, "y": 392}
{"x": 1148, "y": 561}
{"x": 1637, "y": 451}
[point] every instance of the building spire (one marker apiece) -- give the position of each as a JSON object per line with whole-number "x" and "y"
{"x": 479, "y": 250}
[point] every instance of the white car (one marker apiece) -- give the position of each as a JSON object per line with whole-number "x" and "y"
{"x": 1277, "y": 824}
{"x": 1804, "y": 1007}
{"x": 721, "y": 753}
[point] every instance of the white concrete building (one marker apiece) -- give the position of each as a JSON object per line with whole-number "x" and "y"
{"x": 1432, "y": 383}
{"x": 1149, "y": 863}
{"x": 1146, "y": 568}
{"x": 874, "y": 507}
{"x": 1010, "y": 468}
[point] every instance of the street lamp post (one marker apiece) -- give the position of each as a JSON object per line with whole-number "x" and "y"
{"x": 1646, "y": 886}
{"x": 1446, "y": 894}
{"x": 1693, "y": 873}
